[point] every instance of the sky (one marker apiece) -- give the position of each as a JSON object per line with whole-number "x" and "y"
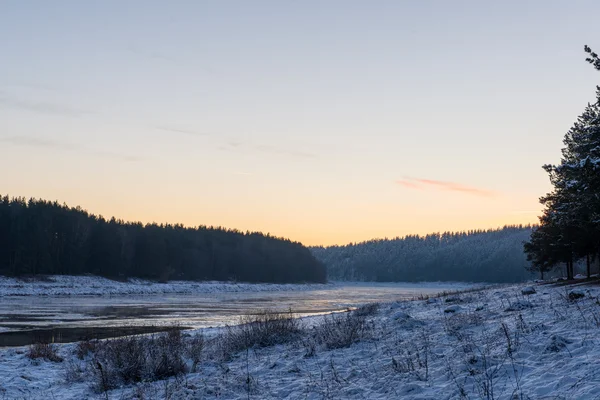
{"x": 326, "y": 122}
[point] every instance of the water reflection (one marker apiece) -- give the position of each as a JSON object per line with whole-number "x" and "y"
{"x": 73, "y": 334}
{"x": 72, "y": 317}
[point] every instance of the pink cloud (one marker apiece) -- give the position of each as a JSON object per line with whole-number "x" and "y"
{"x": 420, "y": 183}
{"x": 410, "y": 185}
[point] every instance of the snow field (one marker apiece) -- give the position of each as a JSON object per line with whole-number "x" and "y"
{"x": 65, "y": 285}
{"x": 491, "y": 344}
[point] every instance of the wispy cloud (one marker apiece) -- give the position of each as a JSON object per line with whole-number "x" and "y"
{"x": 164, "y": 57}
{"x": 36, "y": 142}
{"x": 33, "y": 86}
{"x": 179, "y": 130}
{"x": 11, "y": 101}
{"x": 114, "y": 156}
{"x": 421, "y": 183}
{"x": 232, "y": 144}
{"x": 152, "y": 54}
{"x": 285, "y": 152}
{"x": 409, "y": 185}
{"x": 31, "y": 141}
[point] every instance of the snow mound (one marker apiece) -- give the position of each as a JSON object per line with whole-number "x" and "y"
{"x": 452, "y": 309}
{"x": 557, "y": 343}
{"x": 401, "y": 316}
{"x": 528, "y": 290}
{"x": 519, "y": 306}
{"x": 576, "y": 294}
{"x": 452, "y": 299}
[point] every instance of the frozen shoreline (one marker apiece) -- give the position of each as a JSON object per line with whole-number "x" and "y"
{"x": 66, "y": 285}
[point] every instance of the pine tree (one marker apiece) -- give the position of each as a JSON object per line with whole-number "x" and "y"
{"x": 571, "y": 219}
{"x": 540, "y": 250}
{"x": 593, "y": 58}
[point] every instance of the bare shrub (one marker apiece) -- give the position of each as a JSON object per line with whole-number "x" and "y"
{"x": 521, "y": 325}
{"x": 485, "y": 356}
{"x": 367, "y": 310}
{"x": 76, "y": 371}
{"x": 164, "y": 355}
{"x": 86, "y": 347}
{"x": 420, "y": 296}
{"x": 194, "y": 349}
{"x": 513, "y": 343}
{"x": 310, "y": 346}
{"x": 45, "y": 351}
{"x": 264, "y": 329}
{"x": 135, "y": 359}
{"x": 457, "y": 322}
{"x": 476, "y": 289}
{"x": 343, "y": 329}
{"x": 414, "y": 357}
{"x": 119, "y": 361}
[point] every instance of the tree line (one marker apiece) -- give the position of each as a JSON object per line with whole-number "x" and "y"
{"x": 569, "y": 228}
{"x": 44, "y": 237}
{"x": 494, "y": 255}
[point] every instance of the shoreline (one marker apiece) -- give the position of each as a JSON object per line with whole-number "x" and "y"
{"x": 94, "y": 286}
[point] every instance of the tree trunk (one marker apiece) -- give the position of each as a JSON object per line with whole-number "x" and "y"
{"x": 589, "y": 266}
{"x": 542, "y": 273}
{"x": 570, "y": 270}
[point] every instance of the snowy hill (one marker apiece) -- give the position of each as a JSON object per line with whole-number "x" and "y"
{"x": 475, "y": 256}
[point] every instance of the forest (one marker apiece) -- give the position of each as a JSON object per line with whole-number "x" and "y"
{"x": 39, "y": 237}
{"x": 569, "y": 228}
{"x": 494, "y": 255}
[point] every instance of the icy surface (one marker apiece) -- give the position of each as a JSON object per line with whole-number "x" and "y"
{"x": 75, "y": 302}
{"x": 540, "y": 346}
{"x": 63, "y": 285}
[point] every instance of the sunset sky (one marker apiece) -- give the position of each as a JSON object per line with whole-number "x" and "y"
{"x": 323, "y": 121}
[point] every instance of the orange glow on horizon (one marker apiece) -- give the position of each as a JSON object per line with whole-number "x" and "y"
{"x": 322, "y": 221}
{"x": 336, "y": 235}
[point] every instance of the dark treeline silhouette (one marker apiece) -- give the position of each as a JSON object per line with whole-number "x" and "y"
{"x": 569, "y": 227}
{"x": 494, "y": 255}
{"x": 43, "y": 237}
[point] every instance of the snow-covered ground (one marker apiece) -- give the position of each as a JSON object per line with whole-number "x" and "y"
{"x": 68, "y": 285}
{"x": 63, "y": 285}
{"x": 495, "y": 343}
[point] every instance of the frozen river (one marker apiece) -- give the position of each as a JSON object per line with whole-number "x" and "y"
{"x": 59, "y": 318}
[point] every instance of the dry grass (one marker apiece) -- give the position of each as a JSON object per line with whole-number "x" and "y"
{"x": 343, "y": 329}
{"x": 264, "y": 329}
{"x": 45, "y": 351}
{"x": 136, "y": 359}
